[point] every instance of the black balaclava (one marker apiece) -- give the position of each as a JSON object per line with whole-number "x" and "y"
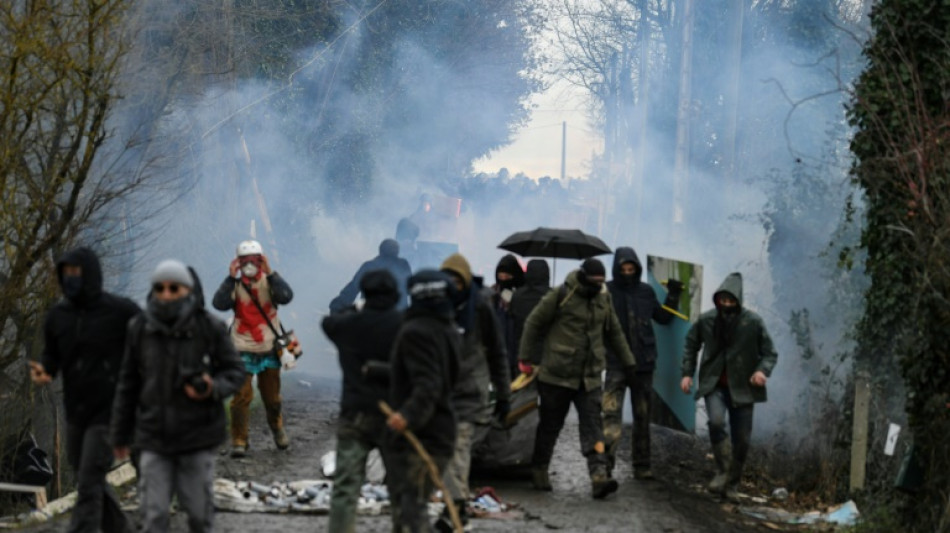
{"x": 380, "y": 289}
{"x": 509, "y": 264}
{"x": 85, "y": 289}
{"x": 726, "y": 319}
{"x": 630, "y": 280}
{"x": 590, "y": 268}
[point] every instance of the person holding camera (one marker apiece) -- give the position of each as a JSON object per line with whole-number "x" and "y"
{"x": 179, "y": 365}
{"x": 253, "y": 291}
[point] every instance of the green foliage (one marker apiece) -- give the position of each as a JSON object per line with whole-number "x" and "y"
{"x": 903, "y": 164}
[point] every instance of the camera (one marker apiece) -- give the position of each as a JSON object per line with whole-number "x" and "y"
{"x": 197, "y": 382}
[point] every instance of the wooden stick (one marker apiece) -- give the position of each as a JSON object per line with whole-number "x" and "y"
{"x": 675, "y": 312}
{"x": 430, "y": 466}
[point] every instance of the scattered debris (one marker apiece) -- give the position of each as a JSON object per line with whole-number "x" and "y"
{"x": 844, "y": 514}
{"x": 780, "y": 494}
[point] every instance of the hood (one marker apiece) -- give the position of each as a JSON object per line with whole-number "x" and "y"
{"x": 573, "y": 283}
{"x": 389, "y": 248}
{"x": 625, "y": 254}
{"x": 459, "y": 265}
{"x": 380, "y": 289}
{"x": 197, "y": 290}
{"x": 733, "y": 285}
{"x": 91, "y": 273}
{"x": 538, "y": 273}
{"x": 510, "y": 264}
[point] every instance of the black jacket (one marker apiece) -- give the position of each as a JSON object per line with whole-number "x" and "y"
{"x": 151, "y": 409}
{"x": 362, "y": 336}
{"x": 637, "y": 307}
{"x": 425, "y": 367}
{"x": 483, "y": 361}
{"x": 85, "y": 339}
{"x": 389, "y": 260}
{"x": 537, "y": 284}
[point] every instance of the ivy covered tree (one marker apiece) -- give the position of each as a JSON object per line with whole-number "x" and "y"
{"x": 902, "y": 162}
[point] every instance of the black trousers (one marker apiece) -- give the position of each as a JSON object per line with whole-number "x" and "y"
{"x": 555, "y": 401}
{"x": 97, "y": 507}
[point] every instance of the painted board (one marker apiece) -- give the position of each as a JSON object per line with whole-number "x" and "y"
{"x": 673, "y": 408}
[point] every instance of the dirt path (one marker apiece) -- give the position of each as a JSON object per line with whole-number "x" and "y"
{"x": 310, "y": 405}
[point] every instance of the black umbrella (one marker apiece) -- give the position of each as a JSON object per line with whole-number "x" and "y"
{"x": 555, "y": 242}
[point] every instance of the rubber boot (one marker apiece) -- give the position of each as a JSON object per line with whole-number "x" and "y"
{"x": 600, "y": 484}
{"x": 723, "y": 453}
{"x": 540, "y": 478}
{"x": 732, "y": 484}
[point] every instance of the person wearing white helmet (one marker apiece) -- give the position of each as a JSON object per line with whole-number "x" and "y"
{"x": 253, "y": 291}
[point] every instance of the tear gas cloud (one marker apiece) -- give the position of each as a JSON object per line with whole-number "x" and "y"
{"x": 243, "y": 167}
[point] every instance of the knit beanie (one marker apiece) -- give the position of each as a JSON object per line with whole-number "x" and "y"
{"x": 173, "y": 270}
{"x": 593, "y": 267}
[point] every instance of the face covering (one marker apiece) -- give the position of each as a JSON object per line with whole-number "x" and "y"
{"x": 249, "y": 270}
{"x": 169, "y": 312}
{"x": 508, "y": 284}
{"x": 629, "y": 279}
{"x": 72, "y": 286}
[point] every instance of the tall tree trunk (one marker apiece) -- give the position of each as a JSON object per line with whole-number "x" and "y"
{"x": 681, "y": 164}
{"x": 734, "y": 62}
{"x": 643, "y": 107}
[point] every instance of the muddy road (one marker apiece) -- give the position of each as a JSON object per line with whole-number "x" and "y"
{"x": 670, "y": 504}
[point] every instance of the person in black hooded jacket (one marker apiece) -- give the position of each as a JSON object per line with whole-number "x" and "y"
{"x": 637, "y": 308}
{"x": 389, "y": 260}
{"x": 179, "y": 366}
{"x": 537, "y": 283}
{"x": 364, "y": 339}
{"x": 509, "y": 278}
{"x": 85, "y": 338}
{"x": 425, "y": 367}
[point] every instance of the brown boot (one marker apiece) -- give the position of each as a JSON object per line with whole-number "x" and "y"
{"x": 723, "y": 453}
{"x": 540, "y": 478}
{"x": 280, "y": 438}
{"x": 601, "y": 485}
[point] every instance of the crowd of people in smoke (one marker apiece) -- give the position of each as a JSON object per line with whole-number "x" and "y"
{"x": 439, "y": 346}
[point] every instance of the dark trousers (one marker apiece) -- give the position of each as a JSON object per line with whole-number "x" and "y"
{"x": 641, "y": 399}
{"x": 555, "y": 401}
{"x": 356, "y": 436}
{"x": 410, "y": 487}
{"x": 90, "y": 454}
{"x": 718, "y": 404}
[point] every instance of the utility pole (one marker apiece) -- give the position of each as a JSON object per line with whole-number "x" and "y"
{"x": 563, "y": 150}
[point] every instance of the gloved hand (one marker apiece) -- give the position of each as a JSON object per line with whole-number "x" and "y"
{"x": 674, "y": 288}
{"x": 288, "y": 361}
{"x": 525, "y": 367}
{"x": 630, "y": 375}
{"x": 502, "y": 408}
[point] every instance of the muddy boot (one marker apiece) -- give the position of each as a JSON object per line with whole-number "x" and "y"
{"x": 280, "y": 438}
{"x": 238, "y": 451}
{"x": 540, "y": 478}
{"x": 722, "y": 452}
{"x": 600, "y": 484}
{"x": 444, "y": 523}
{"x": 732, "y": 483}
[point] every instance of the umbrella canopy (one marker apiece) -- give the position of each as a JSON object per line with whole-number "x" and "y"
{"x": 555, "y": 242}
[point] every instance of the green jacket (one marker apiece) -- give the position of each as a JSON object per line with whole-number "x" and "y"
{"x": 750, "y": 350}
{"x": 575, "y": 332}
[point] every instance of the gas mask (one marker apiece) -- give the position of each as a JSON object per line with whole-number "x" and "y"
{"x": 250, "y": 270}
